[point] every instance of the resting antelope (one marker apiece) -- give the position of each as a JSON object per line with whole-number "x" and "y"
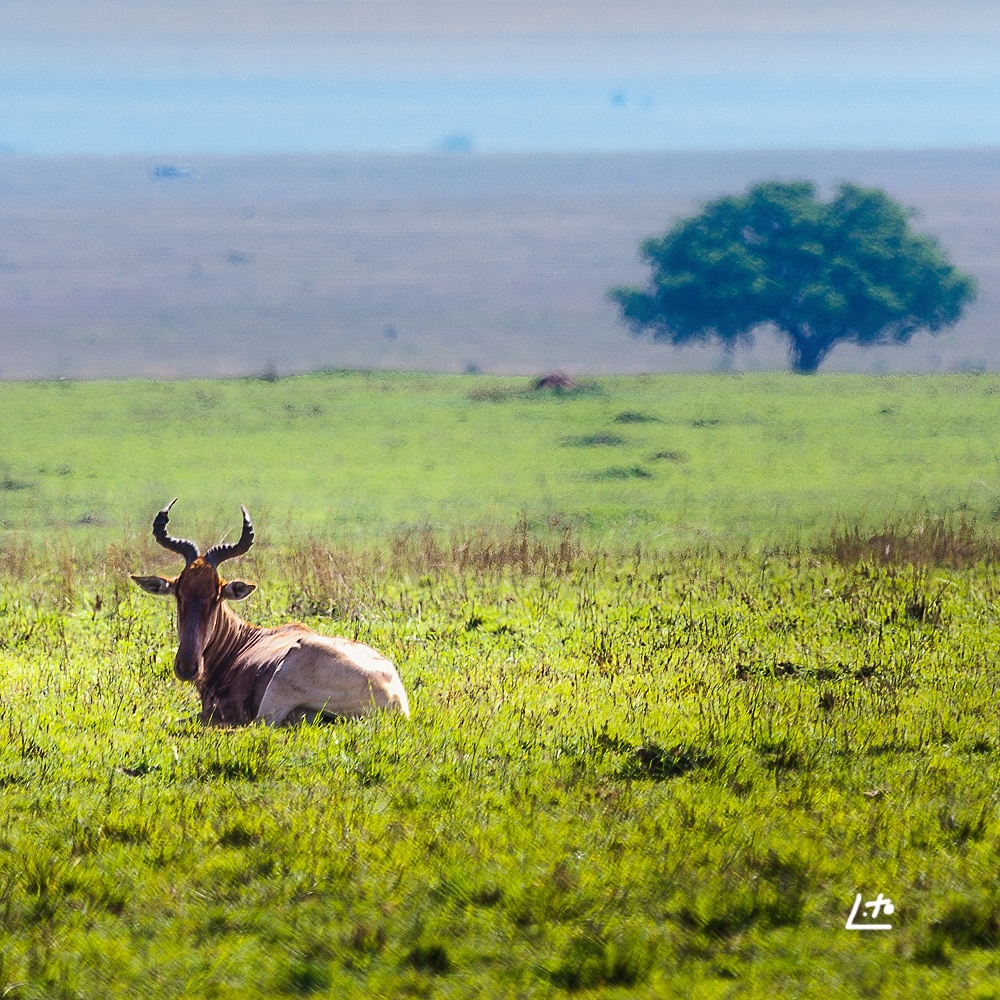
{"x": 244, "y": 673}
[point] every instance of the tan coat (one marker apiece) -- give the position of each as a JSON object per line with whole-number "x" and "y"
{"x": 289, "y": 673}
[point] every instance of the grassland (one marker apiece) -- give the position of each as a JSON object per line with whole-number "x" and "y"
{"x": 649, "y": 756}
{"x": 664, "y": 460}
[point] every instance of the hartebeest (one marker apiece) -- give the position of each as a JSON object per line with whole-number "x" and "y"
{"x": 277, "y": 675}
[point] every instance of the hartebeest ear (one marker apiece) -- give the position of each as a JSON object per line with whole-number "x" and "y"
{"x": 155, "y": 584}
{"x": 236, "y": 590}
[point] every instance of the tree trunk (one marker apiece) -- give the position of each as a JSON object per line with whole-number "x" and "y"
{"x": 809, "y": 348}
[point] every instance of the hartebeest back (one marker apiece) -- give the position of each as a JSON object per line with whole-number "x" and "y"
{"x": 243, "y": 672}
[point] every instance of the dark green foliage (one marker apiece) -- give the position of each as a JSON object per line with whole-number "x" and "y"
{"x": 848, "y": 270}
{"x": 306, "y": 977}
{"x": 970, "y": 922}
{"x": 634, "y": 417}
{"x": 593, "y": 440}
{"x": 596, "y": 959}
{"x": 933, "y": 948}
{"x": 431, "y": 957}
{"x": 658, "y": 763}
{"x": 624, "y": 472}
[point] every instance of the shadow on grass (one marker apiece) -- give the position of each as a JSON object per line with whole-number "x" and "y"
{"x": 595, "y": 960}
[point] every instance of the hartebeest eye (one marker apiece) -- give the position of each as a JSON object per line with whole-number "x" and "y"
{"x": 236, "y": 590}
{"x": 156, "y": 584}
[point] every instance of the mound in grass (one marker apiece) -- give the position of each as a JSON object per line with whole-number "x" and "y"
{"x": 634, "y": 417}
{"x": 592, "y": 440}
{"x": 557, "y": 385}
{"x": 556, "y": 381}
{"x": 624, "y": 472}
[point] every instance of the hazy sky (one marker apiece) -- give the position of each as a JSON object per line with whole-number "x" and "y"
{"x": 443, "y": 37}
{"x": 227, "y": 76}
{"x": 267, "y": 18}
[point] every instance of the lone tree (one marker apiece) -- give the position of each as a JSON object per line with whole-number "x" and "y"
{"x": 850, "y": 269}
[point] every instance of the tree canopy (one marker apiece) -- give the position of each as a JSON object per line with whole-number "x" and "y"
{"x": 847, "y": 270}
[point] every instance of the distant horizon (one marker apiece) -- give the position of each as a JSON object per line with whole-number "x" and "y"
{"x": 56, "y": 115}
{"x": 189, "y": 164}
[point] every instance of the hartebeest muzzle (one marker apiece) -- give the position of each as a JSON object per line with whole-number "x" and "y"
{"x": 199, "y": 590}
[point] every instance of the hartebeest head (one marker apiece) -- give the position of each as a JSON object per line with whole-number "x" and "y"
{"x": 199, "y": 590}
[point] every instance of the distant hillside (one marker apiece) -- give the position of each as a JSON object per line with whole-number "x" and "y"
{"x": 214, "y": 266}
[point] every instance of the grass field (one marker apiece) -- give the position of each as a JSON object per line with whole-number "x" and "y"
{"x": 664, "y": 728}
{"x": 659, "y": 459}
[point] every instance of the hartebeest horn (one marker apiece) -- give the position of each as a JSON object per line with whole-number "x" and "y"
{"x": 219, "y": 553}
{"x": 179, "y": 545}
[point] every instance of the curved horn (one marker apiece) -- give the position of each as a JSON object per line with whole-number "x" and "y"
{"x": 219, "y": 553}
{"x": 179, "y": 545}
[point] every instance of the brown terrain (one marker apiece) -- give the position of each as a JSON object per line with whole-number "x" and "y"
{"x": 278, "y": 264}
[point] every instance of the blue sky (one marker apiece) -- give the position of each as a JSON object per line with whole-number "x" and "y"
{"x": 402, "y": 76}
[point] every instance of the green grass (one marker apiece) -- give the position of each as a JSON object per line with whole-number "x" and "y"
{"x": 641, "y": 776}
{"x": 653, "y": 752}
{"x": 673, "y": 458}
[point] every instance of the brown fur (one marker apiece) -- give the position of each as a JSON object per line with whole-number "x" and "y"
{"x": 243, "y": 672}
{"x": 239, "y": 663}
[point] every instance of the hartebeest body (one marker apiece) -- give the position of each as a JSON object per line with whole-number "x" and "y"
{"x": 244, "y": 673}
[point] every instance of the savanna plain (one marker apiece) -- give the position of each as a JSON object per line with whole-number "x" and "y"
{"x": 692, "y": 661}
